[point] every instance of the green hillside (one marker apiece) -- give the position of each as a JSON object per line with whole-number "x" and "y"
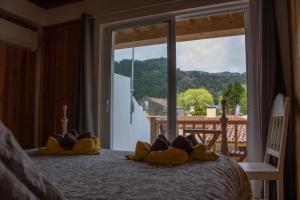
{"x": 150, "y": 78}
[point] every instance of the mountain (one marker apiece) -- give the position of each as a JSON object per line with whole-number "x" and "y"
{"x": 150, "y": 78}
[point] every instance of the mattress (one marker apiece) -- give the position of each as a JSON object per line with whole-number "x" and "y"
{"x": 110, "y": 176}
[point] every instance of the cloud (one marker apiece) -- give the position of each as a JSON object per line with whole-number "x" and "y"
{"x": 211, "y": 55}
{"x": 142, "y": 53}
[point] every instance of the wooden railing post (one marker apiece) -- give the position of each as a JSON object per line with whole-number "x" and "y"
{"x": 161, "y": 130}
{"x": 235, "y": 137}
{"x": 214, "y": 147}
{"x": 152, "y": 129}
{"x": 224, "y": 120}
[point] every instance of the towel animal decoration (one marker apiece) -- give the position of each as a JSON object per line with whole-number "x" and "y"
{"x": 163, "y": 152}
{"x": 72, "y": 142}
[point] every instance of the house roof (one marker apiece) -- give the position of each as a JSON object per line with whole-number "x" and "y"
{"x": 161, "y": 101}
{"x": 205, "y": 118}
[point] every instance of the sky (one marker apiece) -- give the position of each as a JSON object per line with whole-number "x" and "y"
{"x": 210, "y": 55}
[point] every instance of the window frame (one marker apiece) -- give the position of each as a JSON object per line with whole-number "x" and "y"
{"x": 106, "y": 58}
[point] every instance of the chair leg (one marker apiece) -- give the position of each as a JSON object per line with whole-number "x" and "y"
{"x": 280, "y": 189}
{"x": 266, "y": 189}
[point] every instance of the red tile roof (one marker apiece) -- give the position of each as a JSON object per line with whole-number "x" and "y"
{"x": 241, "y": 127}
{"x": 204, "y": 118}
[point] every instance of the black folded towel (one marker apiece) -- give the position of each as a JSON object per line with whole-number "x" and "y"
{"x": 68, "y": 141}
{"x": 58, "y": 137}
{"x": 87, "y": 135}
{"x": 75, "y": 133}
{"x": 165, "y": 139}
{"x": 159, "y": 145}
{"x": 183, "y": 143}
{"x": 193, "y": 139}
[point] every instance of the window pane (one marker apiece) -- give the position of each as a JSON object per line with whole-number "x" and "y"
{"x": 211, "y": 65}
{"x": 139, "y": 85}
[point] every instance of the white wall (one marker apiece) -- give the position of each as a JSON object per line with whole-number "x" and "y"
{"x": 26, "y": 10}
{"x": 124, "y": 134}
{"x": 18, "y": 35}
{"x": 29, "y": 11}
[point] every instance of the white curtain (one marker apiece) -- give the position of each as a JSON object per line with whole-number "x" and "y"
{"x": 269, "y": 73}
{"x": 254, "y": 63}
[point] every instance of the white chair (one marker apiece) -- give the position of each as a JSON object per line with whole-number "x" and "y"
{"x": 276, "y": 142}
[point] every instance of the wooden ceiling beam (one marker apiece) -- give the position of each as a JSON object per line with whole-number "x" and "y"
{"x": 199, "y": 28}
{"x": 48, "y": 4}
{"x": 18, "y": 20}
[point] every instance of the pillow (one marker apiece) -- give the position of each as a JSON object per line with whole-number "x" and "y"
{"x": 11, "y": 187}
{"x": 19, "y": 163}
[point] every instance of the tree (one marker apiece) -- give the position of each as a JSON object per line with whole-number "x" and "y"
{"x": 199, "y": 109}
{"x": 199, "y": 98}
{"x": 233, "y": 95}
{"x": 244, "y": 100}
{"x": 150, "y": 78}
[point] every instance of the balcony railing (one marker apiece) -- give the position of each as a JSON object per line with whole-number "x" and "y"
{"x": 205, "y": 127}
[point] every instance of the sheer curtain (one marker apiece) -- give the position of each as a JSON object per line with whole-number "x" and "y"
{"x": 269, "y": 72}
{"x": 253, "y": 27}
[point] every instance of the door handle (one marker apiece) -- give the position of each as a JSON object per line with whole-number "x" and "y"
{"x": 107, "y": 104}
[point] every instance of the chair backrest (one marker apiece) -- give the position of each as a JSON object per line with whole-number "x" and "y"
{"x": 277, "y": 131}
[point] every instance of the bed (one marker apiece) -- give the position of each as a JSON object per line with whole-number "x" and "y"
{"x": 110, "y": 176}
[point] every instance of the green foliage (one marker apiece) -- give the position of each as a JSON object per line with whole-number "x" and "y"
{"x": 150, "y": 76}
{"x": 199, "y": 110}
{"x": 244, "y": 101}
{"x": 233, "y": 95}
{"x": 199, "y": 98}
{"x": 215, "y": 83}
{"x": 150, "y": 79}
{"x": 219, "y": 110}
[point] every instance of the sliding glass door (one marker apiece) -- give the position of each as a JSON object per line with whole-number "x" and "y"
{"x": 140, "y": 84}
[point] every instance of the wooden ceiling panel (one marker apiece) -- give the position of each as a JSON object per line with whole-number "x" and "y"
{"x": 47, "y": 4}
{"x": 222, "y": 25}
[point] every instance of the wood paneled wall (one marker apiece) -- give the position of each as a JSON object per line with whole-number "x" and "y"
{"x": 295, "y": 17}
{"x": 61, "y": 57}
{"x": 17, "y": 92}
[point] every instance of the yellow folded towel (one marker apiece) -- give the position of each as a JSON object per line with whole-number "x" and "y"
{"x": 85, "y": 146}
{"x": 171, "y": 156}
{"x": 142, "y": 149}
{"x": 52, "y": 147}
{"x": 200, "y": 153}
